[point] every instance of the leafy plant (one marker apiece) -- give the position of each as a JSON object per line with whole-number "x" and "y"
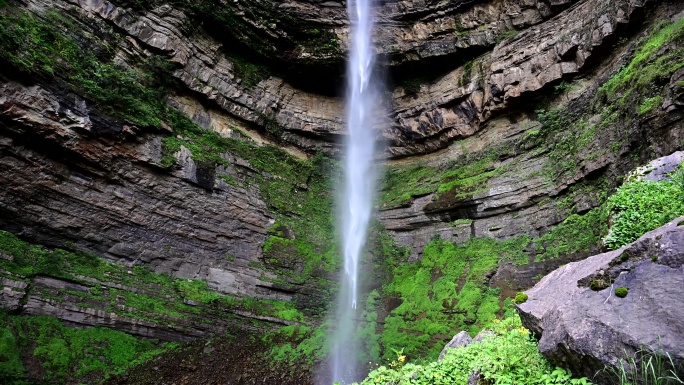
{"x": 509, "y": 356}
{"x": 641, "y": 206}
{"x": 67, "y": 352}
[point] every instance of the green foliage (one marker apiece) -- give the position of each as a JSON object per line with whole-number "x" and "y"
{"x": 641, "y": 206}
{"x": 677, "y": 177}
{"x": 288, "y": 251}
{"x": 400, "y": 183}
{"x": 510, "y": 356}
{"x": 298, "y": 191}
{"x": 67, "y": 352}
{"x": 649, "y": 64}
{"x": 469, "y": 179}
{"x": 568, "y": 136}
{"x": 434, "y": 305}
{"x": 367, "y": 334}
{"x": 299, "y": 344}
{"x": 649, "y": 104}
{"x": 577, "y": 233}
{"x": 11, "y": 367}
{"x": 520, "y": 297}
{"x": 50, "y": 47}
{"x": 621, "y": 292}
{"x": 506, "y": 35}
{"x": 562, "y": 86}
{"x": 157, "y": 295}
{"x": 321, "y": 42}
{"x": 249, "y": 71}
{"x": 646, "y": 367}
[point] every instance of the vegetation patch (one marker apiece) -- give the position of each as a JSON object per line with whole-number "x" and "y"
{"x": 65, "y": 352}
{"x": 51, "y": 48}
{"x": 455, "y": 181}
{"x": 649, "y": 104}
{"x": 520, "y": 297}
{"x": 641, "y": 206}
{"x": 576, "y": 234}
{"x": 649, "y": 66}
{"x": 509, "y": 356}
{"x": 147, "y": 295}
{"x": 443, "y": 294}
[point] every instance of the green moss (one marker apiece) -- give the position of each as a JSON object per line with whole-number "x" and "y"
{"x": 469, "y": 179}
{"x": 400, "y": 184}
{"x": 66, "y": 352}
{"x": 148, "y": 295}
{"x": 621, "y": 292}
{"x": 443, "y": 294}
{"x": 507, "y": 34}
{"x": 649, "y": 104}
{"x": 649, "y": 64}
{"x": 520, "y": 297}
{"x": 247, "y": 70}
{"x": 568, "y": 137}
{"x": 298, "y": 345}
{"x": 11, "y": 366}
{"x": 50, "y": 48}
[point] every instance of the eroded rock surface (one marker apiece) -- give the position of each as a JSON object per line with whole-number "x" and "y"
{"x": 587, "y": 330}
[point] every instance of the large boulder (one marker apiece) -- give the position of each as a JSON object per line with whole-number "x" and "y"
{"x": 461, "y": 339}
{"x": 584, "y": 326}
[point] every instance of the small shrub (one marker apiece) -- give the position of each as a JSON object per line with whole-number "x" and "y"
{"x": 621, "y": 292}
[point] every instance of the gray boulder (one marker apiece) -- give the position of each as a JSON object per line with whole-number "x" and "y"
{"x": 461, "y": 339}
{"x": 584, "y": 326}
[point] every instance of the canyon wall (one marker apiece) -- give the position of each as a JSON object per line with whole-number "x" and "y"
{"x": 196, "y": 140}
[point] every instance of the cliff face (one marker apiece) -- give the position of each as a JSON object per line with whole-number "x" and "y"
{"x": 183, "y": 138}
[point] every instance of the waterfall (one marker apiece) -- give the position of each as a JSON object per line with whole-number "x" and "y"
{"x": 363, "y": 101}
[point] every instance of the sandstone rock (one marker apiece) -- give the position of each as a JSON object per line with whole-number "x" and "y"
{"x": 586, "y": 330}
{"x": 461, "y": 339}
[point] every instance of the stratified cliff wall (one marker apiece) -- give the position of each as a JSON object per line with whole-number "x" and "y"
{"x": 196, "y": 140}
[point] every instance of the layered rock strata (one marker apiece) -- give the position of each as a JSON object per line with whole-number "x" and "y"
{"x": 71, "y": 173}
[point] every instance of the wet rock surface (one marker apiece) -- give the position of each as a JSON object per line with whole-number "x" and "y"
{"x": 587, "y": 330}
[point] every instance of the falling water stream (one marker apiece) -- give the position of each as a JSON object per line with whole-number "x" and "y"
{"x": 362, "y": 108}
